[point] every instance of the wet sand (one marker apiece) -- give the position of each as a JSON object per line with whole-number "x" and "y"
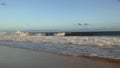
{"x": 23, "y": 58}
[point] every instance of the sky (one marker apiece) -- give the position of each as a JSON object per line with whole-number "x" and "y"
{"x": 60, "y": 15}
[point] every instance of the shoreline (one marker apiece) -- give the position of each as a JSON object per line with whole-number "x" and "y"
{"x": 34, "y": 46}
{"x": 94, "y": 58}
{"x": 97, "y": 58}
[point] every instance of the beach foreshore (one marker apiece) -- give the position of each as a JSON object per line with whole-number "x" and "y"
{"x": 94, "y": 46}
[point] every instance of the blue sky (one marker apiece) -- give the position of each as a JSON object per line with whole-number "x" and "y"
{"x": 60, "y": 15}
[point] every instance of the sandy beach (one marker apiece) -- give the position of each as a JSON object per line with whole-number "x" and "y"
{"x": 24, "y": 58}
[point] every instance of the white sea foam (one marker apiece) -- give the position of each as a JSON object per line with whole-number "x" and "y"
{"x": 108, "y": 47}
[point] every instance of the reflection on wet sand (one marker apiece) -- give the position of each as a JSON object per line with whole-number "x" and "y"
{"x": 23, "y": 58}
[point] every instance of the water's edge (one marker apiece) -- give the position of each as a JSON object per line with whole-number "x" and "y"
{"x": 48, "y": 47}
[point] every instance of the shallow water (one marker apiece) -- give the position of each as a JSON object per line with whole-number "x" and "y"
{"x": 23, "y": 58}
